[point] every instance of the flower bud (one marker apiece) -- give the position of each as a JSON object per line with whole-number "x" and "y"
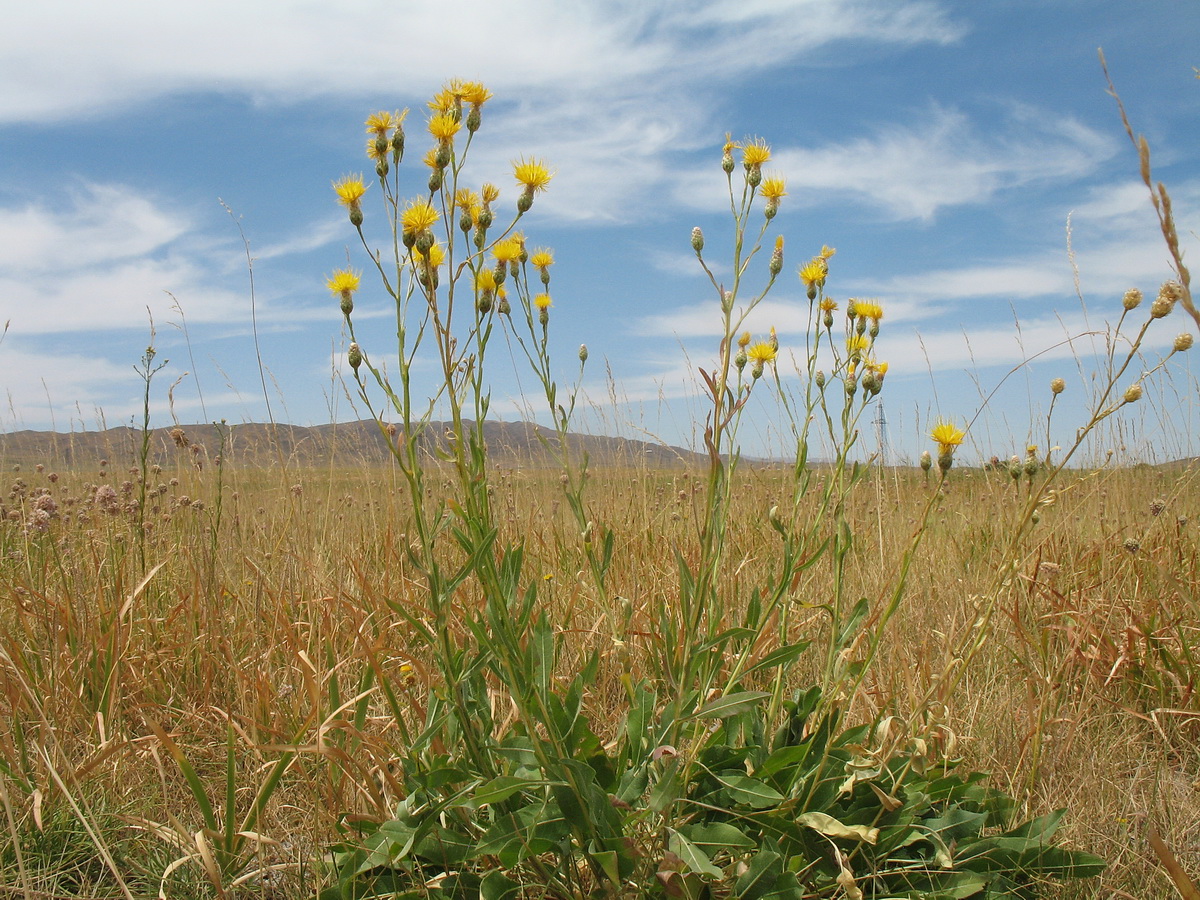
{"x": 354, "y": 357}
{"x": 504, "y": 307}
{"x": 851, "y": 385}
{"x": 583, "y": 353}
{"x": 1132, "y": 299}
{"x": 776, "y": 264}
{"x": 484, "y": 303}
{"x": 820, "y": 378}
{"x": 754, "y": 176}
{"x": 926, "y": 461}
{"x": 727, "y": 162}
{"x": 697, "y": 239}
{"x": 356, "y": 216}
{"x": 1133, "y": 393}
{"x": 1183, "y": 342}
{"x": 473, "y": 119}
{"x": 726, "y": 301}
{"x": 435, "y": 181}
{"x": 381, "y": 168}
{"x": 1057, "y": 386}
{"x": 543, "y": 317}
{"x": 740, "y": 360}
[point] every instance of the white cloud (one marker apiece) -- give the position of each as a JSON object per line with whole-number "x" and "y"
{"x": 913, "y": 170}
{"x": 290, "y": 48}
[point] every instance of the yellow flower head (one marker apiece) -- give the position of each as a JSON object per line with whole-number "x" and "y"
{"x": 343, "y": 281}
{"x": 507, "y": 250}
{"x": 857, "y": 345}
{"x": 475, "y": 93}
{"x": 491, "y": 193}
{"x": 773, "y": 187}
{"x": 431, "y": 158}
{"x": 349, "y": 190}
{"x": 947, "y": 436}
{"x": 532, "y": 173}
{"x": 826, "y": 252}
{"x": 418, "y": 216}
{"x": 542, "y": 301}
{"x": 814, "y": 272}
{"x": 444, "y": 126}
{"x": 755, "y": 153}
{"x": 762, "y": 352}
{"x": 869, "y": 309}
{"x": 730, "y": 144}
{"x": 744, "y": 340}
{"x": 446, "y": 99}
{"x": 485, "y": 280}
{"x": 542, "y": 258}
{"x": 465, "y": 198}
{"x": 382, "y": 122}
{"x": 880, "y": 367}
{"x": 437, "y": 255}
{"x": 827, "y": 304}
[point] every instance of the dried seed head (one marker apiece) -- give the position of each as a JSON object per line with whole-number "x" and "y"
{"x": 1183, "y": 342}
{"x": 1057, "y": 386}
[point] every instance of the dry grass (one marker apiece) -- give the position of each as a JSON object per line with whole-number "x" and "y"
{"x": 270, "y": 598}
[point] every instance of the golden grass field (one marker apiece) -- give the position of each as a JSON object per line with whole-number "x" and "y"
{"x": 267, "y": 596}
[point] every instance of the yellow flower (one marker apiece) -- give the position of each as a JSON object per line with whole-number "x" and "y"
{"x": 827, "y": 304}
{"x": 475, "y": 93}
{"x": 772, "y": 187}
{"x": 947, "y": 436}
{"x": 542, "y": 301}
{"x": 744, "y": 340}
{"x": 431, "y": 158}
{"x": 814, "y": 273}
{"x": 857, "y": 344}
{"x": 507, "y": 250}
{"x": 826, "y": 252}
{"x": 418, "y": 216}
{"x": 383, "y": 121}
{"x": 491, "y": 193}
{"x": 343, "y": 281}
{"x": 466, "y": 199}
{"x": 445, "y": 100}
{"x": 762, "y": 352}
{"x": 880, "y": 367}
{"x": 485, "y": 280}
{"x": 868, "y": 309}
{"x": 349, "y": 190}
{"x": 373, "y": 150}
{"x": 437, "y": 255}
{"x": 532, "y": 173}
{"x": 755, "y": 153}
{"x": 542, "y": 258}
{"x": 444, "y": 126}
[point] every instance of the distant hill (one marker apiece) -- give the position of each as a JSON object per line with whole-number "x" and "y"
{"x": 510, "y": 444}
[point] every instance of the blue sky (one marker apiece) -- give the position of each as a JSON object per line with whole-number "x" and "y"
{"x": 939, "y": 146}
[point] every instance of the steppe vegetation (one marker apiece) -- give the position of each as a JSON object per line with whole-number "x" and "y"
{"x": 447, "y": 677}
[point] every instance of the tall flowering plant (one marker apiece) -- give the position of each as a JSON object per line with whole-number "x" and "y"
{"x": 718, "y": 775}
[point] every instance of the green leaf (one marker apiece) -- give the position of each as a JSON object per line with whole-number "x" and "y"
{"x": 693, "y": 857}
{"x": 750, "y": 791}
{"x": 778, "y": 657}
{"x": 500, "y": 789}
{"x": 760, "y": 876}
{"x": 717, "y": 835}
{"x": 730, "y": 705}
{"x": 498, "y": 886}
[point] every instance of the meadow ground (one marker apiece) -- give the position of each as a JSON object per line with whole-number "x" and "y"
{"x": 260, "y": 598}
